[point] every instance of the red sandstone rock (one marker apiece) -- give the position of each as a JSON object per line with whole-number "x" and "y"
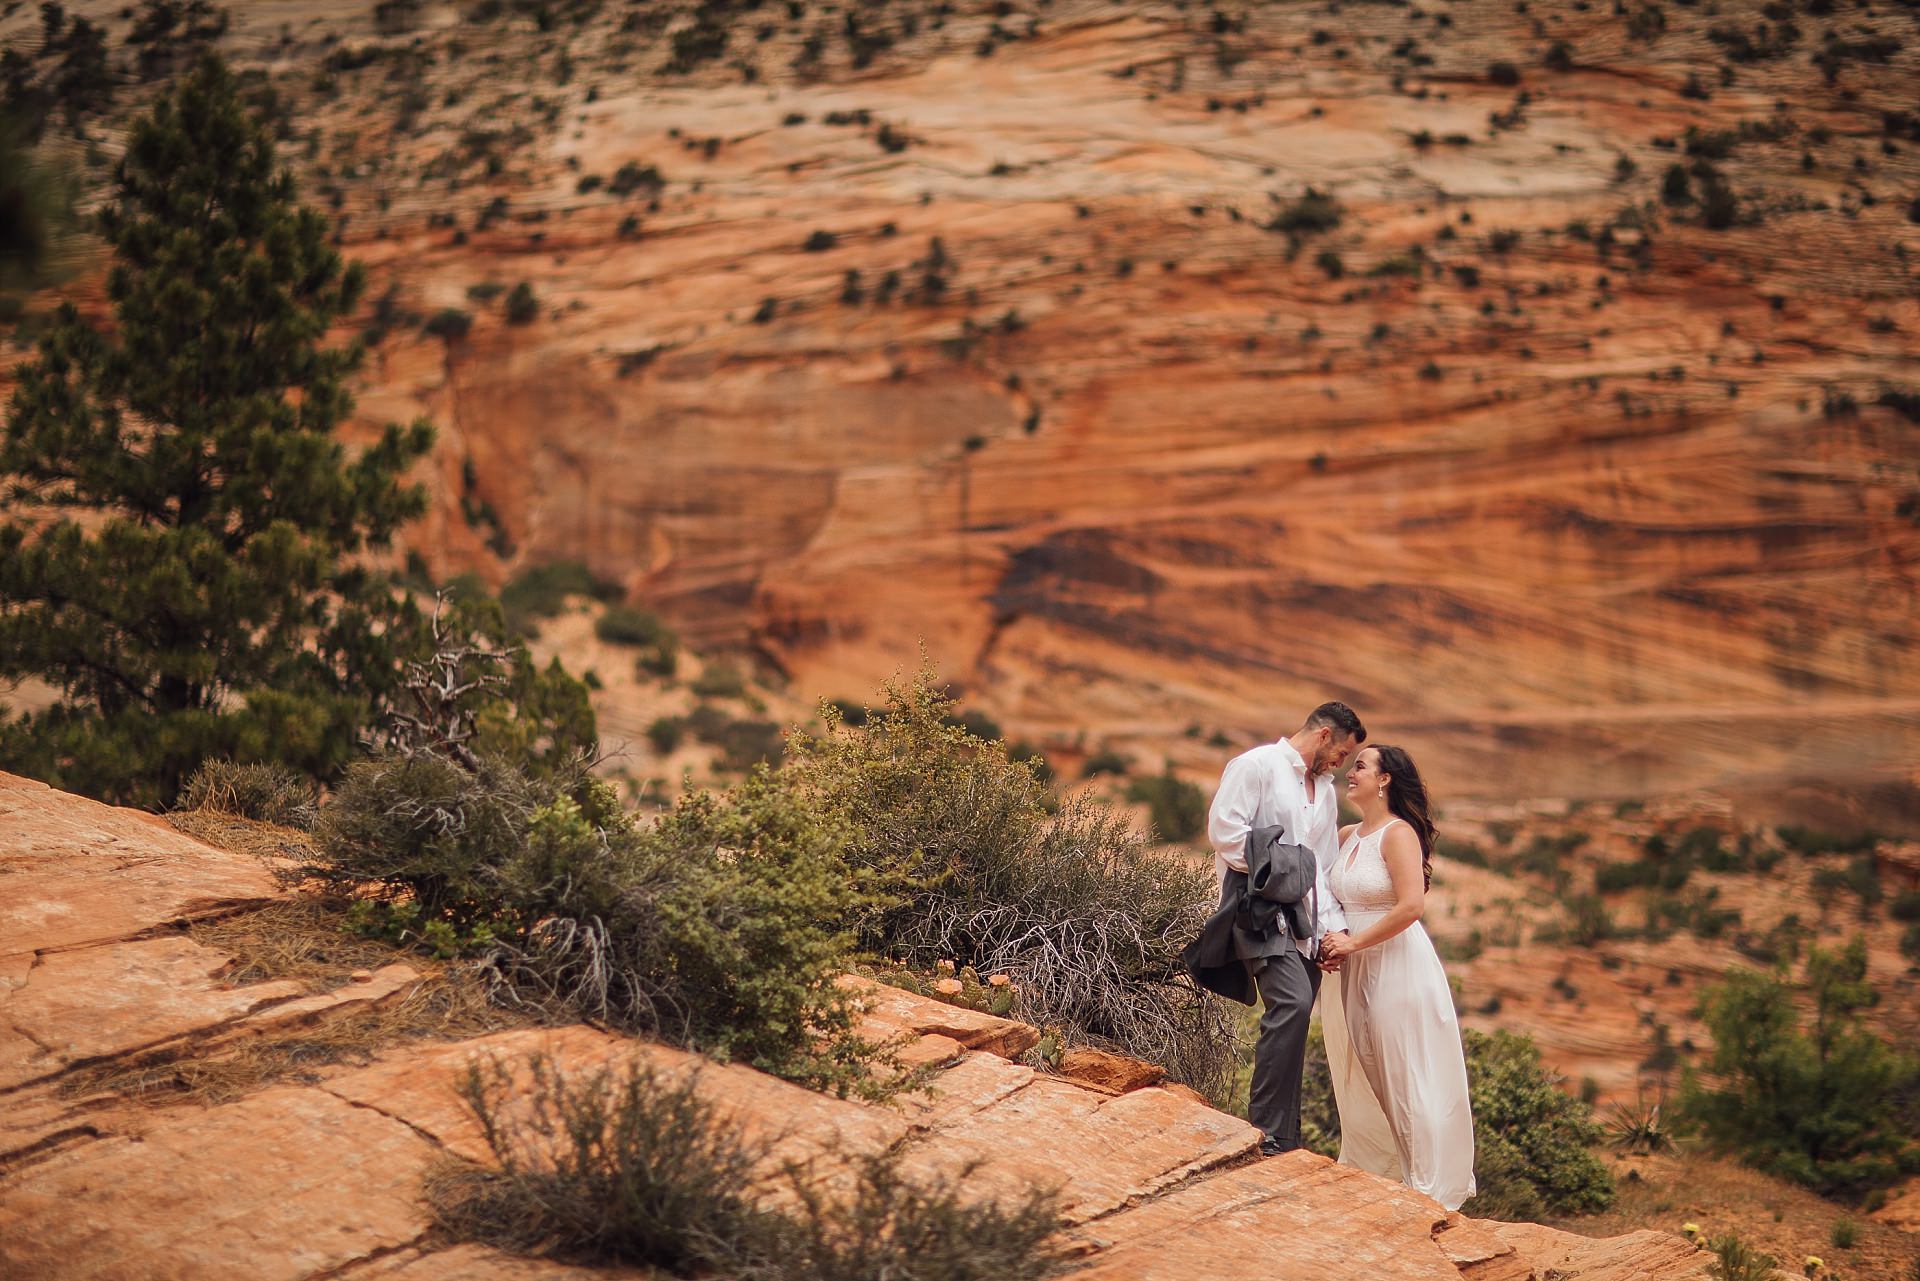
{"x": 93, "y": 1002}
{"x": 894, "y": 1012}
{"x": 1108, "y": 1071}
{"x": 76, "y": 871}
{"x": 1632, "y": 1256}
{"x": 276, "y": 1187}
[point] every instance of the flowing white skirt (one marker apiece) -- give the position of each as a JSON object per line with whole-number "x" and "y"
{"x": 1399, "y": 1073}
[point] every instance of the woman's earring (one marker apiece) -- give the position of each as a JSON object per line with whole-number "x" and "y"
{"x": 1381, "y": 792}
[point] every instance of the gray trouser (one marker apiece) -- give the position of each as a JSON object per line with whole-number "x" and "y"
{"x": 1288, "y": 983}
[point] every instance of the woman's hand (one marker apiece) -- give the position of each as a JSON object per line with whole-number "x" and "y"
{"x": 1335, "y": 947}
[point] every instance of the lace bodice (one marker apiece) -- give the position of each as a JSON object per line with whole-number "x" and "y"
{"x": 1360, "y": 879}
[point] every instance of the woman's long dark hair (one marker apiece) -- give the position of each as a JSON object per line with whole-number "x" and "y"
{"x": 1407, "y": 799}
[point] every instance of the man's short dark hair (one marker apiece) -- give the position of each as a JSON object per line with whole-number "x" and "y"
{"x": 1341, "y": 718}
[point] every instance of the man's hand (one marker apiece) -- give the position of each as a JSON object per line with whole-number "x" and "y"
{"x": 1334, "y": 949}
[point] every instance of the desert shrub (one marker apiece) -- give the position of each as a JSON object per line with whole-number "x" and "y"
{"x": 1813, "y": 843}
{"x": 1311, "y": 212}
{"x": 1503, "y": 73}
{"x": 630, "y": 1167}
{"x": 449, "y": 323}
{"x": 1825, "y": 1102}
{"x": 1532, "y": 1141}
{"x": 720, "y": 679}
{"x": 428, "y": 832}
{"x": 541, "y": 591}
{"x": 716, "y": 927}
{"x": 613, "y": 1167}
{"x": 1106, "y": 761}
{"x": 890, "y": 1227}
{"x": 666, "y": 734}
{"x": 661, "y": 660}
{"x": 1611, "y": 878}
{"x": 522, "y": 307}
{"x": 985, "y": 866}
{"x": 1905, "y": 906}
{"x": 268, "y": 793}
{"x": 1642, "y": 1127}
{"x": 722, "y": 931}
{"x": 1735, "y": 1260}
{"x": 1588, "y": 921}
{"x": 631, "y": 625}
{"x": 1845, "y": 1233}
{"x": 1178, "y": 808}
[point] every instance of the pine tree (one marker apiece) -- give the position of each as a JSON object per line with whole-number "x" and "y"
{"x": 179, "y": 554}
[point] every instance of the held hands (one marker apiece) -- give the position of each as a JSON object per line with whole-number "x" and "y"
{"x": 1334, "y": 949}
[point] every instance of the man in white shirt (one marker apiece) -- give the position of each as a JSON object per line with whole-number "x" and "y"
{"x": 1287, "y": 783}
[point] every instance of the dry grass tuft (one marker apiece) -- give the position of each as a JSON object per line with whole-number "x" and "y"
{"x": 302, "y": 938}
{"x": 269, "y": 793}
{"x": 284, "y": 849}
{"x": 212, "y": 1070}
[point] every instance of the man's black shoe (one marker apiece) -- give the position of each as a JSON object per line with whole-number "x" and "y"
{"x": 1270, "y": 1146}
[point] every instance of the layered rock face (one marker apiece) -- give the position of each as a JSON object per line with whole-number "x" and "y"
{"x": 1005, "y": 331}
{"x": 321, "y": 1174}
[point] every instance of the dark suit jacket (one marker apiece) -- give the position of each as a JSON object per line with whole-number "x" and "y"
{"x": 1261, "y": 912}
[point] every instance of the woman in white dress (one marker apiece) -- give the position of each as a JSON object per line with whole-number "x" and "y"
{"x": 1393, "y": 1042}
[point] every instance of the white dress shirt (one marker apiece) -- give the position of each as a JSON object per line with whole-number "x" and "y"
{"x": 1268, "y": 785}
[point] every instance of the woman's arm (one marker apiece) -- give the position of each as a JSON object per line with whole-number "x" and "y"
{"x": 1401, "y": 849}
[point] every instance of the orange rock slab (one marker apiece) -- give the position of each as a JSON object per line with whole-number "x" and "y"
{"x": 74, "y": 871}
{"x": 278, "y": 1187}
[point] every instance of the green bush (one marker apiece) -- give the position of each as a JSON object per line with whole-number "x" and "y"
{"x": 1813, "y": 842}
{"x": 720, "y": 679}
{"x": 1532, "y": 1142}
{"x": 717, "y": 927}
{"x": 623, "y": 1168}
{"x": 630, "y": 1168}
{"x": 430, "y": 832}
{"x": 1845, "y": 1233}
{"x": 1611, "y": 878}
{"x": 1106, "y": 761}
{"x": 1588, "y": 921}
{"x": 1178, "y": 808}
{"x": 522, "y": 307}
{"x": 1735, "y": 1260}
{"x": 666, "y": 734}
{"x": 1905, "y": 906}
{"x": 1311, "y": 212}
{"x": 631, "y": 625}
{"x": 449, "y": 323}
{"x": 541, "y": 591}
{"x": 1825, "y": 1101}
{"x": 268, "y": 793}
{"x": 985, "y": 866}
